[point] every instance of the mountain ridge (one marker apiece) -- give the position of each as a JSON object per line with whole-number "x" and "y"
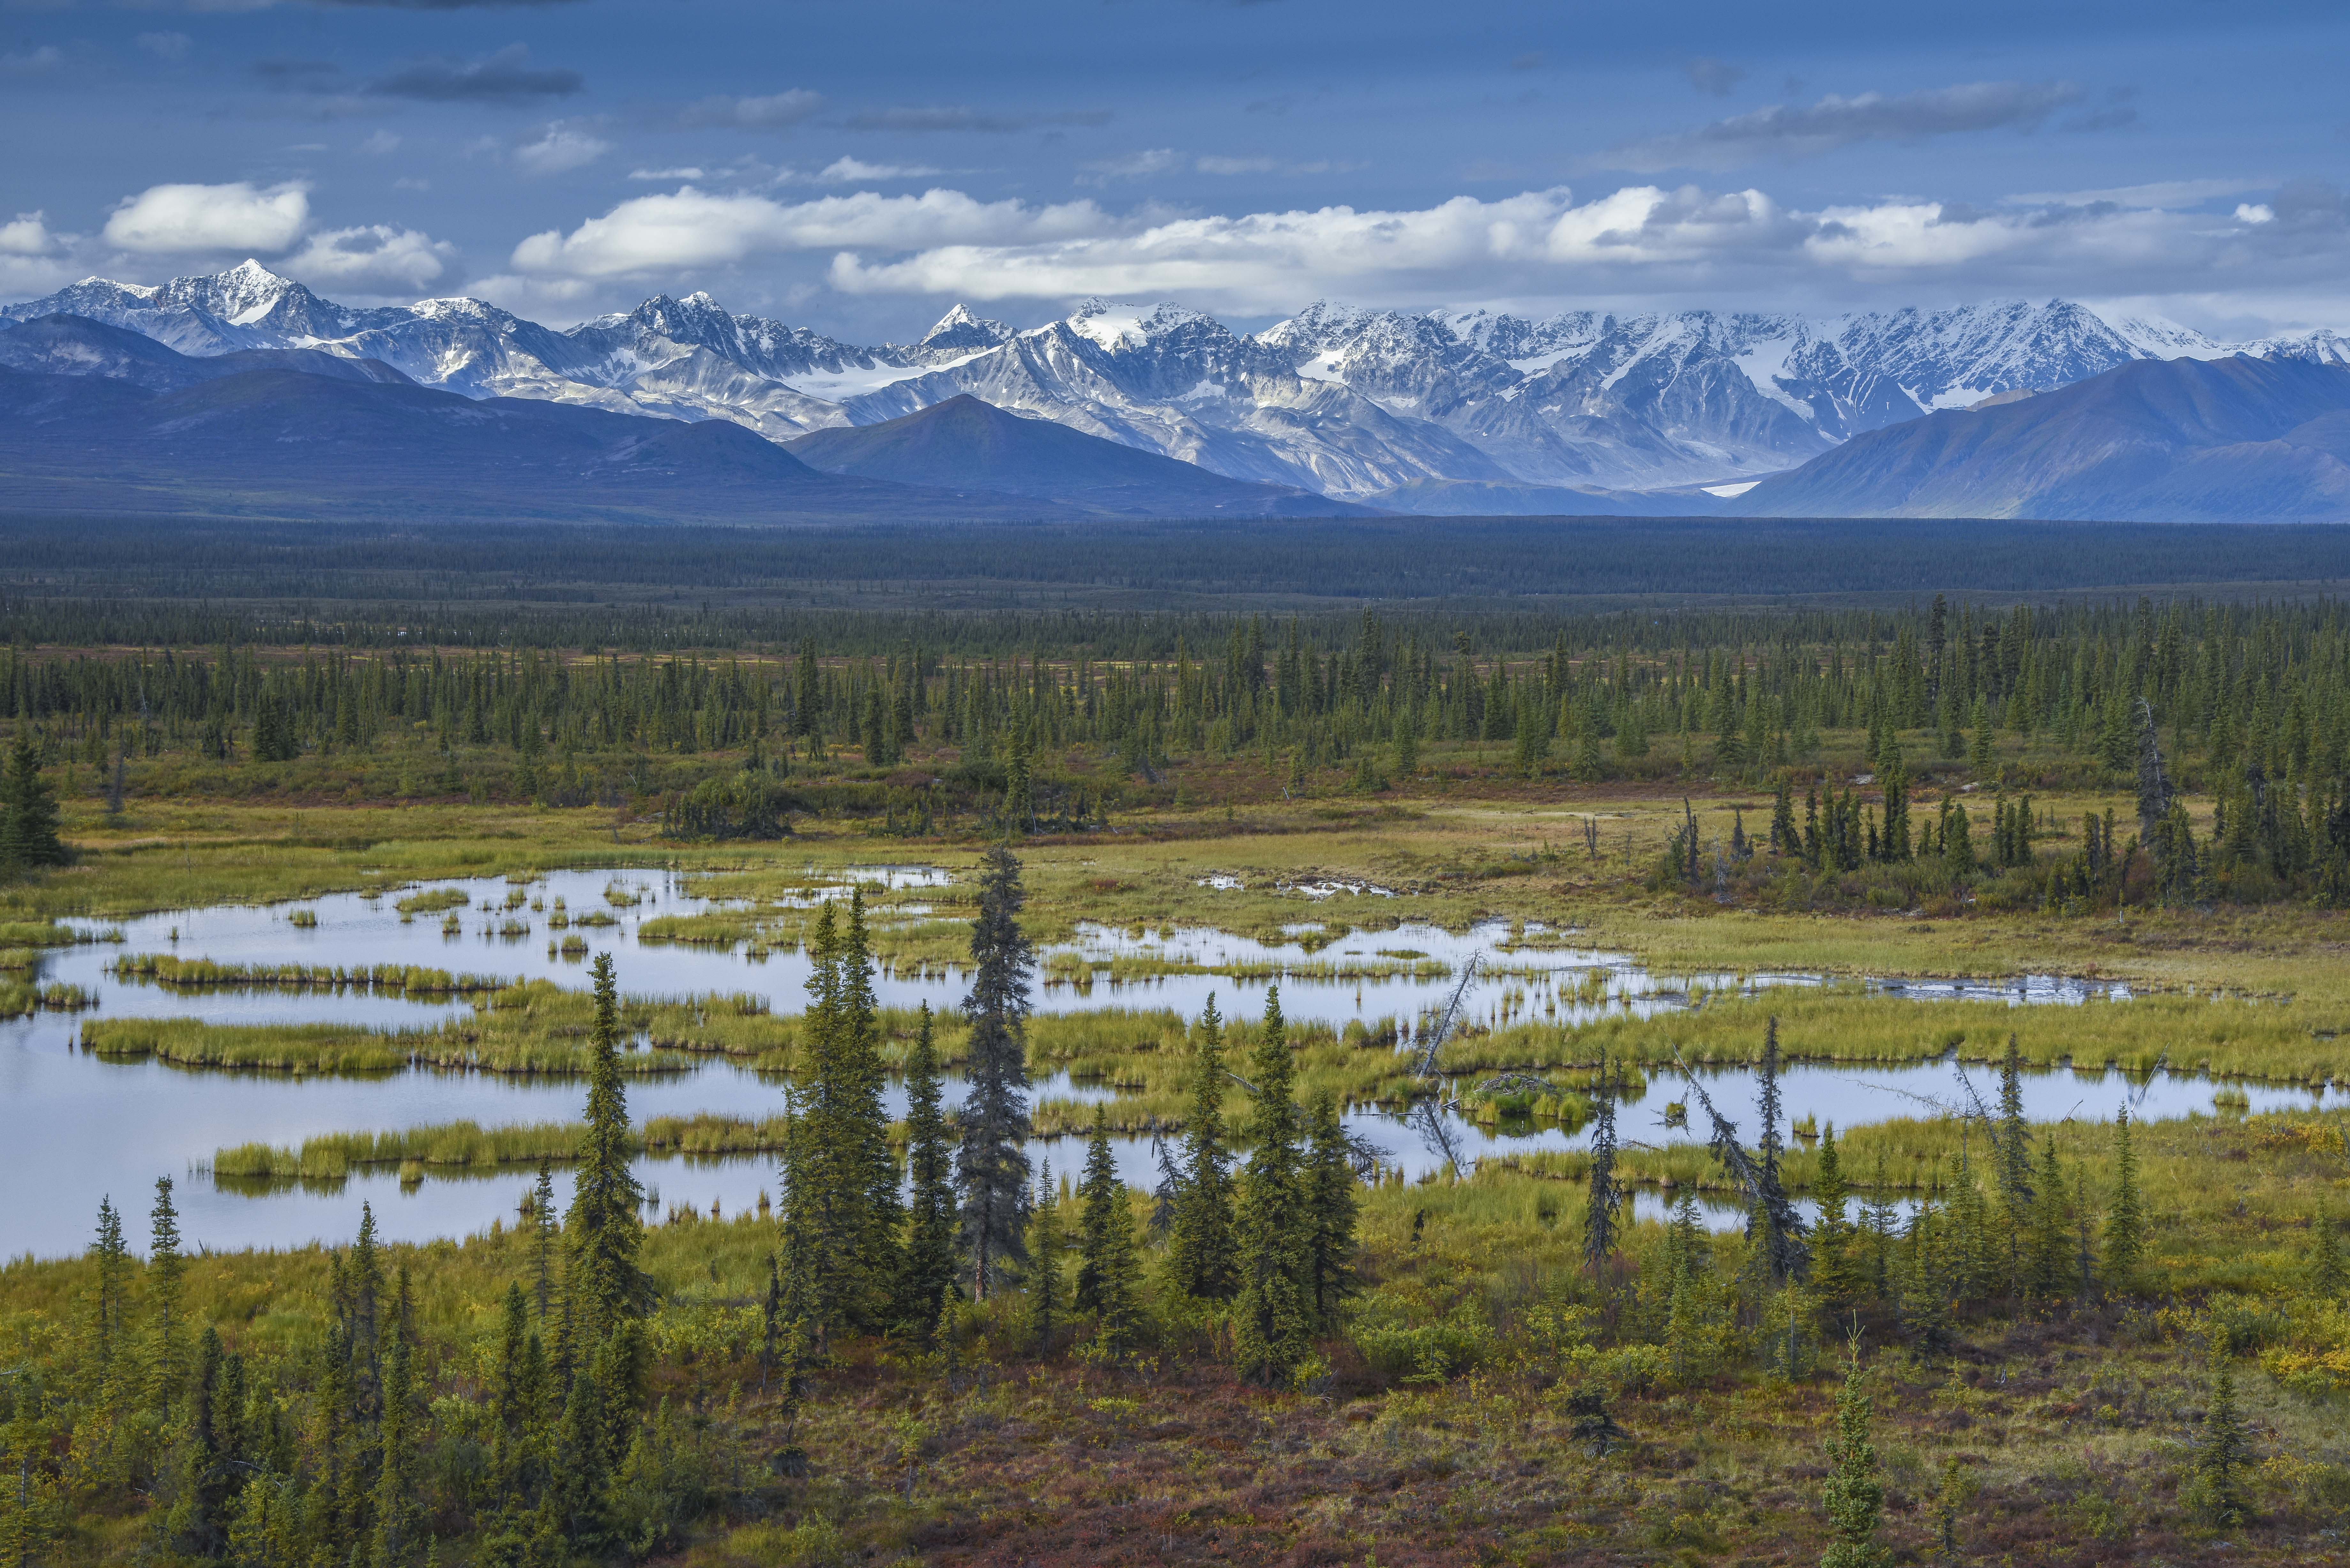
{"x": 1384, "y": 407}
{"x": 1336, "y": 398}
{"x": 2236, "y": 439}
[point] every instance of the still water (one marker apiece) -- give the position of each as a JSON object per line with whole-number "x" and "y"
{"x": 74, "y": 1128}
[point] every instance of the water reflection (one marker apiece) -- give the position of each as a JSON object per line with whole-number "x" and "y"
{"x": 74, "y": 1128}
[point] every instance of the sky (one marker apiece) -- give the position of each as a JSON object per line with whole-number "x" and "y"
{"x": 856, "y": 166}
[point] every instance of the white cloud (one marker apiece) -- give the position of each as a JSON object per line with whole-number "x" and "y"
{"x": 1638, "y": 242}
{"x": 556, "y": 301}
{"x": 165, "y": 46}
{"x": 559, "y": 150}
{"x": 1785, "y": 130}
{"x": 1637, "y": 247}
{"x": 238, "y": 216}
{"x": 379, "y": 143}
{"x": 33, "y": 62}
{"x": 688, "y": 173}
{"x": 27, "y": 235}
{"x": 29, "y": 277}
{"x": 375, "y": 259}
{"x": 849, "y": 170}
{"x": 693, "y": 228}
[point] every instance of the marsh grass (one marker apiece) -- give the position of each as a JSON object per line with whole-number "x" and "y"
{"x": 203, "y": 974}
{"x": 453, "y": 1147}
{"x": 18, "y": 999}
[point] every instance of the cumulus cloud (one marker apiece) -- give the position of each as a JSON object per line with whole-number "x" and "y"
{"x": 376, "y": 259}
{"x": 1264, "y": 258}
{"x": 559, "y": 150}
{"x": 1787, "y": 132}
{"x": 1639, "y": 240}
{"x": 773, "y": 111}
{"x": 165, "y": 219}
{"x": 1631, "y": 247}
{"x": 958, "y": 116}
{"x": 506, "y": 76}
{"x": 27, "y": 234}
{"x": 692, "y": 228}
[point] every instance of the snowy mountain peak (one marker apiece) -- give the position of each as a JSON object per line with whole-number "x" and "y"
{"x": 1116, "y": 327}
{"x": 1351, "y": 401}
{"x": 240, "y": 297}
{"x": 960, "y": 329}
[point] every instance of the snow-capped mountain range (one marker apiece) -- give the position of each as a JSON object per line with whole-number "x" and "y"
{"x": 1348, "y": 402}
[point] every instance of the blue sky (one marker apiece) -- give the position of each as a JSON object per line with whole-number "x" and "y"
{"x": 857, "y": 167}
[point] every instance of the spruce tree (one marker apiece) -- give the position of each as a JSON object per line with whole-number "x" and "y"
{"x": 1107, "y": 1265}
{"x": 1880, "y": 1219}
{"x": 579, "y": 1476}
{"x": 545, "y": 1231}
{"x": 1042, "y": 1270}
{"x": 928, "y": 1275}
{"x": 196, "y": 1524}
{"x": 1275, "y": 1311}
{"x": 1200, "y": 1250}
{"x": 166, "y": 1271}
{"x": 2047, "y": 1262}
{"x": 2223, "y": 1454}
{"x": 840, "y": 1189}
{"x": 1926, "y": 1285}
{"x": 992, "y": 1165}
{"x": 397, "y": 1515}
{"x": 606, "y": 1223}
{"x": 1853, "y": 1494}
{"x": 1784, "y": 837}
{"x": 2327, "y": 1275}
{"x": 2126, "y": 1219}
{"x": 1836, "y": 1276}
{"x": 28, "y": 811}
{"x": 516, "y": 1415}
{"x": 1686, "y": 1346}
{"x": 2014, "y": 1150}
{"x": 1330, "y": 1201}
{"x": 2085, "y": 1256}
{"x": 1599, "y": 1214}
{"x": 1958, "y": 846}
{"x": 111, "y": 1297}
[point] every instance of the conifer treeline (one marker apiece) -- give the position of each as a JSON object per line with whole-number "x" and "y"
{"x": 536, "y": 1447}
{"x": 322, "y": 1458}
{"x": 2231, "y": 682}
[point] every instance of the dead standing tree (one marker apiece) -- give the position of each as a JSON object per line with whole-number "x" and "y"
{"x": 1769, "y": 1209}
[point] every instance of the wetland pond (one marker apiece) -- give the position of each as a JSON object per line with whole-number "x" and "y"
{"x": 75, "y": 1128}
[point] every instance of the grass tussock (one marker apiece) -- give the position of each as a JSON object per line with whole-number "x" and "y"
{"x": 394, "y": 980}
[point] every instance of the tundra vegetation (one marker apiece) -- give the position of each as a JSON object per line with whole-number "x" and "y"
{"x": 958, "y": 1336}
